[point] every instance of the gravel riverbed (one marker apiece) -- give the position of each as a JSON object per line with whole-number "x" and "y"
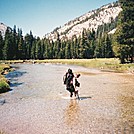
{"x": 36, "y": 104}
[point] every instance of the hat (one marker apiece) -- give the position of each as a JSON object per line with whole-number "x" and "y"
{"x": 69, "y": 70}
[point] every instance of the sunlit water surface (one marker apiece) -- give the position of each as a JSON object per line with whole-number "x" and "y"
{"x": 39, "y": 103}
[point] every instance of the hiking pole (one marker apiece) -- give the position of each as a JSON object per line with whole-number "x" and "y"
{"x": 78, "y": 96}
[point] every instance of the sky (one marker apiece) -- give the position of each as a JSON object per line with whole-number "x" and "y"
{"x": 43, "y": 16}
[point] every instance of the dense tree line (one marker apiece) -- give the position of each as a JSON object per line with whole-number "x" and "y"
{"x": 90, "y": 44}
{"x": 123, "y": 44}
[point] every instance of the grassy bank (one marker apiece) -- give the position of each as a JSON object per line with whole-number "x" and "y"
{"x": 105, "y": 64}
{"x": 4, "y": 83}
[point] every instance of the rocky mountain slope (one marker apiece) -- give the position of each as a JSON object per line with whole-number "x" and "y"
{"x": 3, "y": 28}
{"x": 90, "y": 20}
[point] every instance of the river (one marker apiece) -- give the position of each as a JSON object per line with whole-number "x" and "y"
{"x": 38, "y": 102}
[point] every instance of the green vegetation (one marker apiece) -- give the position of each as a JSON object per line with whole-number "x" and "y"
{"x": 124, "y": 36}
{"x": 106, "y": 64}
{"x": 4, "y": 67}
{"x": 109, "y": 64}
{"x": 91, "y": 44}
{"x": 4, "y": 86}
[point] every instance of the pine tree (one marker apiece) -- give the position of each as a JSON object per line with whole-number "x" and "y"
{"x": 38, "y": 53}
{"x": 33, "y": 50}
{"x": 58, "y": 46}
{"x": 20, "y": 54}
{"x": 46, "y": 48}
{"x": 84, "y": 48}
{"x": 109, "y": 50}
{"x": 15, "y": 43}
{"x": 98, "y": 49}
{"x": 51, "y": 50}
{"x": 1, "y": 46}
{"x": 72, "y": 49}
{"x": 91, "y": 42}
{"x": 77, "y": 47}
{"x": 124, "y": 35}
{"x": 67, "y": 50}
{"x": 28, "y": 44}
{"x": 62, "y": 50}
{"x": 7, "y": 49}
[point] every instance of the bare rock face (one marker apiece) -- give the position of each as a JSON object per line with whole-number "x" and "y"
{"x": 3, "y": 28}
{"x": 91, "y": 21}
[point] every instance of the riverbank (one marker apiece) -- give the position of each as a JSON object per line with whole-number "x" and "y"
{"x": 104, "y": 64}
{"x": 4, "y": 83}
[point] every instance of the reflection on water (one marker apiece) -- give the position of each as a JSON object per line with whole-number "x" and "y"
{"x": 106, "y": 104}
{"x": 13, "y": 77}
{"x": 126, "y": 99}
{"x": 85, "y": 97}
{"x": 15, "y": 74}
{"x": 72, "y": 113}
{"x": 127, "y": 111}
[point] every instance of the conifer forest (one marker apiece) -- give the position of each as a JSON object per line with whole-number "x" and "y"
{"x": 91, "y": 44}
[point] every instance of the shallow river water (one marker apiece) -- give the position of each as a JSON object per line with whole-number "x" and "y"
{"x": 38, "y": 102}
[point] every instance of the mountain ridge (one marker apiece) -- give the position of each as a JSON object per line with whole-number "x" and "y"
{"x": 91, "y": 20}
{"x": 3, "y": 29}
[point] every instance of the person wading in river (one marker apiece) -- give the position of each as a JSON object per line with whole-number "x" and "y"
{"x": 76, "y": 85}
{"x": 68, "y": 81}
{"x": 71, "y": 82}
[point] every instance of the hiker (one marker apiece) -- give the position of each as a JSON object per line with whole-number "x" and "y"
{"x": 76, "y": 84}
{"x": 68, "y": 81}
{"x": 71, "y": 82}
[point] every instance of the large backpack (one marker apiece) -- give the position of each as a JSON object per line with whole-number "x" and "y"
{"x": 67, "y": 78}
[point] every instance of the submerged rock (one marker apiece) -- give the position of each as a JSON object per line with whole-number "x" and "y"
{"x": 2, "y": 101}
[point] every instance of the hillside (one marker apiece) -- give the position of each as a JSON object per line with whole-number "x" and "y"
{"x": 91, "y": 20}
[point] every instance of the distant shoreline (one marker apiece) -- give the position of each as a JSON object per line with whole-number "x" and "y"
{"x": 103, "y": 64}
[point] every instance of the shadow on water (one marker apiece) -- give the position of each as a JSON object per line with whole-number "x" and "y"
{"x": 13, "y": 78}
{"x": 127, "y": 116}
{"x": 15, "y": 84}
{"x": 15, "y": 74}
{"x": 84, "y": 97}
{"x": 72, "y": 113}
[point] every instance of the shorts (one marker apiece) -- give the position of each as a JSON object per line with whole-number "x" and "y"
{"x": 70, "y": 88}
